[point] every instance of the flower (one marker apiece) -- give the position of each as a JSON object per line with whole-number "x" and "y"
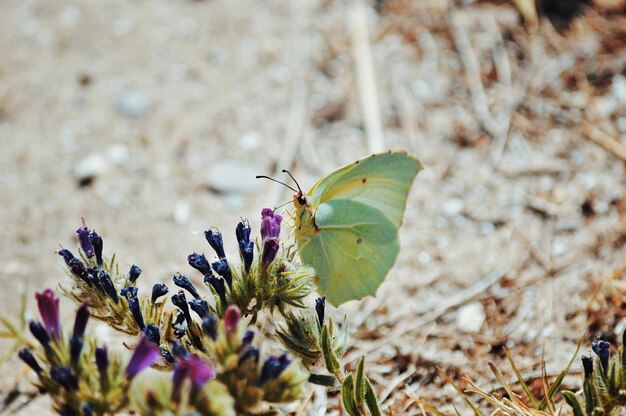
{"x": 246, "y": 247}
{"x": 199, "y": 262}
{"x": 102, "y": 361}
{"x": 270, "y": 249}
{"x": 76, "y": 266}
{"x": 180, "y": 300}
{"x": 83, "y": 239}
{"x": 80, "y": 323}
{"x": 130, "y": 293}
{"x": 223, "y": 269}
{"x": 106, "y": 285}
{"x": 247, "y": 338}
{"x": 587, "y": 366}
{"x": 76, "y": 346}
{"x": 250, "y": 352}
{"x": 209, "y": 326}
{"x": 603, "y": 349}
{"x": 133, "y": 273}
{"x": 184, "y": 282}
{"x": 218, "y": 284}
{"x": 158, "y": 290}
{"x": 48, "y": 305}
{"x": 231, "y": 319}
{"x": 153, "y": 334}
{"x": 146, "y": 353}
{"x": 193, "y": 368}
{"x": 97, "y": 243}
{"x": 270, "y": 224}
{"x": 243, "y": 231}
{"x": 214, "y": 238}
{"x": 273, "y": 367}
{"x": 40, "y": 333}
{"x": 200, "y": 306}
{"x": 320, "y": 306}
{"x": 27, "y": 356}
{"x": 64, "y": 376}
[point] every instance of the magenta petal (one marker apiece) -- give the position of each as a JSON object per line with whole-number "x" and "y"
{"x": 48, "y": 305}
{"x": 146, "y": 353}
{"x": 270, "y": 224}
{"x": 231, "y": 319}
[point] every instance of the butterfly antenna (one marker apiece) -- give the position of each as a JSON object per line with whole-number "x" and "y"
{"x": 282, "y": 205}
{"x": 295, "y": 181}
{"x": 277, "y": 181}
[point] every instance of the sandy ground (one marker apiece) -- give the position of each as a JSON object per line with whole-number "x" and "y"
{"x": 150, "y": 120}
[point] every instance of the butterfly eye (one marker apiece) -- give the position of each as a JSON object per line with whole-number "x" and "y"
{"x": 302, "y": 200}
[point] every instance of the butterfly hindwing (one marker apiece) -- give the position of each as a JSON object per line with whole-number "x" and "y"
{"x": 354, "y": 250}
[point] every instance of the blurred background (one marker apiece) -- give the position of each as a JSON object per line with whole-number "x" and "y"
{"x": 150, "y": 120}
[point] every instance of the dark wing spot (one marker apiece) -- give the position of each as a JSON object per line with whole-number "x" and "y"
{"x": 357, "y": 162}
{"x": 359, "y": 240}
{"x": 364, "y": 180}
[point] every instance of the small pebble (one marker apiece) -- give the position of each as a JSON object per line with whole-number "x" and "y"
{"x": 453, "y": 206}
{"x": 118, "y": 154}
{"x": 233, "y": 176}
{"x": 471, "y": 317}
{"x": 182, "y": 213}
{"x": 132, "y": 103}
{"x": 89, "y": 167}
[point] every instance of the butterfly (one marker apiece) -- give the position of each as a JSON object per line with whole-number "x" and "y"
{"x": 346, "y": 226}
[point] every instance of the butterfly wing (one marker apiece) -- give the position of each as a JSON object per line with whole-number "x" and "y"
{"x": 381, "y": 181}
{"x": 354, "y": 250}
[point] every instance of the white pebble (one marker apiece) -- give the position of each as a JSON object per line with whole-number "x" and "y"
{"x": 471, "y": 317}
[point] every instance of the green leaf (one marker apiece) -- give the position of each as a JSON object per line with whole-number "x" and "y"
{"x": 347, "y": 394}
{"x": 571, "y": 399}
{"x": 560, "y": 377}
{"x": 371, "y": 400}
{"x": 332, "y": 363}
{"x": 520, "y": 379}
{"x": 324, "y": 380}
{"x": 359, "y": 387}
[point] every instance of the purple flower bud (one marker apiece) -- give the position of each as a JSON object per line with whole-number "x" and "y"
{"x": 603, "y": 350}
{"x": 270, "y": 249}
{"x": 200, "y": 306}
{"x": 199, "y": 262}
{"x": 246, "y": 249}
{"x": 219, "y": 287}
{"x": 178, "y": 350}
{"x": 209, "y": 326}
{"x": 320, "y": 306}
{"x": 86, "y": 409}
{"x": 215, "y": 240}
{"x": 270, "y": 224}
{"x": 66, "y": 254}
{"x": 135, "y": 310}
{"x": 184, "y": 282}
{"x": 80, "y": 323}
{"x": 231, "y": 319}
{"x": 27, "y": 356}
{"x": 76, "y": 347}
{"x": 587, "y": 366}
{"x": 64, "y": 376}
{"x": 247, "y": 339}
{"x": 40, "y": 333}
{"x": 243, "y": 232}
{"x": 180, "y": 301}
{"x": 146, "y": 353}
{"x": 179, "y": 324}
{"x": 158, "y": 290}
{"x": 152, "y": 333}
{"x": 195, "y": 369}
{"x": 97, "y": 243}
{"x": 83, "y": 239}
{"x": 273, "y": 367}
{"x": 48, "y": 305}
{"x": 102, "y": 361}
{"x": 106, "y": 285}
{"x": 77, "y": 268}
{"x": 133, "y": 273}
{"x": 129, "y": 292}
{"x": 250, "y": 352}
{"x": 223, "y": 269}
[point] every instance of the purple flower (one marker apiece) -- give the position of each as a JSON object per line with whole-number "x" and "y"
{"x": 48, "y": 305}
{"x": 231, "y": 319}
{"x": 158, "y": 290}
{"x": 320, "y": 306}
{"x": 193, "y": 368}
{"x": 199, "y": 262}
{"x": 80, "y": 323}
{"x": 106, "y": 285}
{"x": 153, "y": 334}
{"x": 246, "y": 249}
{"x": 146, "y": 353}
{"x": 130, "y": 293}
{"x": 27, "y": 356}
{"x": 180, "y": 300}
{"x": 133, "y": 273}
{"x": 250, "y": 352}
{"x": 209, "y": 326}
{"x": 223, "y": 269}
{"x": 602, "y": 349}
{"x": 184, "y": 282}
{"x": 587, "y": 366}
{"x": 200, "y": 306}
{"x": 247, "y": 338}
{"x": 76, "y": 266}
{"x": 270, "y": 249}
{"x": 102, "y": 361}
{"x": 83, "y": 239}
{"x": 40, "y": 333}
{"x": 243, "y": 232}
{"x": 97, "y": 243}
{"x": 270, "y": 224}
{"x": 64, "y": 376}
{"x": 218, "y": 285}
{"x": 66, "y": 254}
{"x": 76, "y": 347}
{"x": 273, "y": 367}
{"x": 214, "y": 238}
